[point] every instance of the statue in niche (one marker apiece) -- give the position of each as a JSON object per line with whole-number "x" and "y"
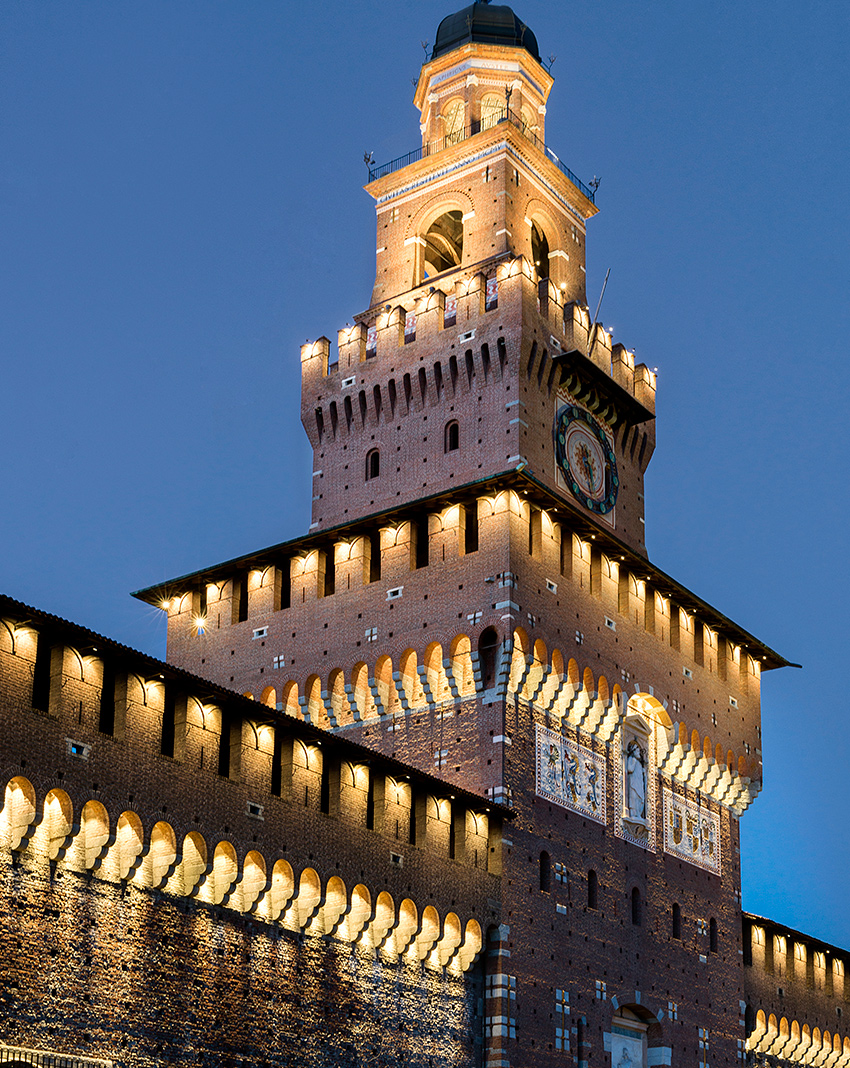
{"x": 636, "y": 780}
{"x": 625, "y": 1060}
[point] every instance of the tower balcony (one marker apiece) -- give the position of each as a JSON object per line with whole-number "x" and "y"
{"x": 480, "y": 126}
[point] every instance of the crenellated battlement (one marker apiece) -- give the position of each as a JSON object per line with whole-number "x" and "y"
{"x": 466, "y": 350}
{"x": 458, "y": 304}
{"x": 797, "y": 993}
{"x": 171, "y": 742}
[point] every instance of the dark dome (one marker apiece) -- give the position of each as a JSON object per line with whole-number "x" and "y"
{"x": 485, "y": 23}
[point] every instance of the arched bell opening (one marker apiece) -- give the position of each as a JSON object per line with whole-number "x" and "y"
{"x": 444, "y": 243}
{"x": 540, "y": 251}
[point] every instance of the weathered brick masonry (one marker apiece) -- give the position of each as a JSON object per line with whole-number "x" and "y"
{"x": 474, "y": 595}
{"x": 193, "y": 878}
{"x": 797, "y": 998}
{"x": 246, "y": 879}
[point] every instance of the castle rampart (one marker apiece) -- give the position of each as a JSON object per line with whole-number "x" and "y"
{"x": 797, "y": 997}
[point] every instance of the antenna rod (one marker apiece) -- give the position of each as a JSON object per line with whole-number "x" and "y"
{"x": 596, "y": 317}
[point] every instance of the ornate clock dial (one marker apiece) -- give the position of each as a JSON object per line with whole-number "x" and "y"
{"x": 586, "y": 459}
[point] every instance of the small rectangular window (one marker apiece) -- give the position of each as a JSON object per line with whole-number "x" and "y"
{"x": 259, "y": 632}
{"x": 687, "y": 673}
{"x": 346, "y": 382}
{"x": 610, "y": 624}
{"x": 80, "y": 750}
{"x": 551, "y": 586}
{"x": 395, "y": 593}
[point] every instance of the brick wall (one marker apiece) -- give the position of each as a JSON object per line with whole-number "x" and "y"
{"x": 266, "y": 881}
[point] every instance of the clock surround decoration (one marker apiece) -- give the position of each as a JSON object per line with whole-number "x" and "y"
{"x": 586, "y": 459}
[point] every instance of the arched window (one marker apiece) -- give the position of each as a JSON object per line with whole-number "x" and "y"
{"x": 539, "y": 251}
{"x": 637, "y": 908}
{"x": 444, "y": 243}
{"x": 373, "y": 464}
{"x": 453, "y": 118}
{"x": 712, "y": 935}
{"x": 488, "y": 645}
{"x": 492, "y": 110}
{"x": 452, "y": 436}
{"x": 677, "y": 921}
{"x": 592, "y": 890}
{"x": 545, "y": 871}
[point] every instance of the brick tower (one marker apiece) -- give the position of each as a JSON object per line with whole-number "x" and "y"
{"x": 474, "y": 595}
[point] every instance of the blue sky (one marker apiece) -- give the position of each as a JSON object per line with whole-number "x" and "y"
{"x": 182, "y": 207}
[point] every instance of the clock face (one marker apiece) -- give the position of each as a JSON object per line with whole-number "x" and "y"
{"x": 586, "y": 459}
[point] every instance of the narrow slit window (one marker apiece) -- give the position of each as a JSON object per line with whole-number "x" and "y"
{"x": 592, "y": 890}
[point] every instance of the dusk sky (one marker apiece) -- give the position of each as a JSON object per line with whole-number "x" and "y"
{"x": 182, "y": 208}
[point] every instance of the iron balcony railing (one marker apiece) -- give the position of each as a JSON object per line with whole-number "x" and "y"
{"x": 488, "y": 123}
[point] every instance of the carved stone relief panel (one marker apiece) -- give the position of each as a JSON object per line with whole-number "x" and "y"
{"x": 570, "y": 775}
{"x": 691, "y": 832}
